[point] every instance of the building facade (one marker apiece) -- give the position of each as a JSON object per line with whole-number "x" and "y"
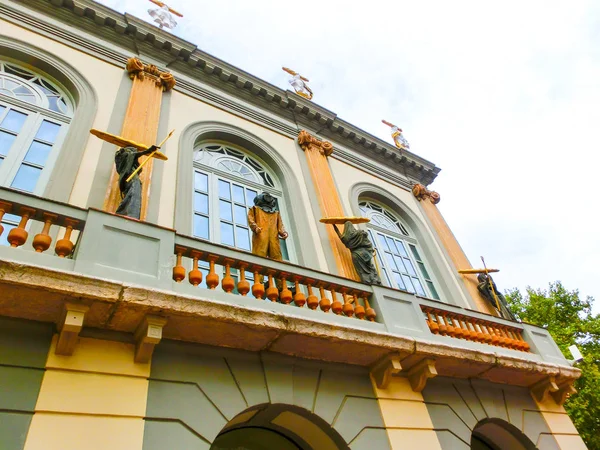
{"x": 159, "y": 334}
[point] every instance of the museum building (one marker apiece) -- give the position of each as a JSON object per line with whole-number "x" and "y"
{"x": 172, "y": 331}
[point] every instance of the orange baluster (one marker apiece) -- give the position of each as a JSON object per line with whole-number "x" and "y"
{"x": 325, "y": 304}
{"x": 228, "y": 283}
{"x": 359, "y": 310}
{"x": 272, "y": 291}
{"x": 179, "y": 270}
{"x": 458, "y": 331}
{"x": 371, "y": 314}
{"x": 347, "y": 308}
{"x": 336, "y": 305}
{"x": 433, "y": 326}
{"x": 243, "y": 286}
{"x": 195, "y": 275}
{"x": 286, "y": 294}
{"x": 4, "y": 208}
{"x": 64, "y": 246}
{"x": 442, "y": 323}
{"x": 212, "y": 279}
{"x": 312, "y": 301}
{"x": 299, "y": 297}
{"x": 42, "y": 241}
{"x": 18, "y": 236}
{"x": 258, "y": 289}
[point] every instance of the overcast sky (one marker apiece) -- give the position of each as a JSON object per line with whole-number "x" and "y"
{"x": 504, "y": 97}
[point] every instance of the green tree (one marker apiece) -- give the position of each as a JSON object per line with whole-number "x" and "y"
{"x": 569, "y": 320}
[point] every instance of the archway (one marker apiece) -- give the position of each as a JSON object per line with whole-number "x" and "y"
{"x": 497, "y": 434}
{"x": 278, "y": 427}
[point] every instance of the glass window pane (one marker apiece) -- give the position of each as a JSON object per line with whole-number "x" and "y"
{"x": 415, "y": 253}
{"x": 238, "y": 194}
{"x": 56, "y": 104}
{"x": 391, "y": 245}
{"x": 14, "y": 121}
{"x": 401, "y": 248}
{"x": 383, "y": 242}
{"x": 225, "y": 210}
{"x": 391, "y": 262}
{"x": 240, "y": 214}
{"x": 434, "y": 293}
{"x": 200, "y": 226}
{"x": 419, "y": 287}
{"x": 399, "y": 280}
{"x": 250, "y": 195}
{"x": 26, "y": 178}
{"x": 27, "y": 98}
{"x": 6, "y": 141}
{"x": 227, "y": 234}
{"x": 48, "y": 131}
{"x": 386, "y": 278}
{"x": 399, "y": 264}
{"x": 410, "y": 267}
{"x": 242, "y": 238}
{"x": 200, "y": 181}
{"x": 423, "y": 270}
{"x": 38, "y": 153}
{"x": 284, "y": 250}
{"x": 2, "y": 108}
{"x": 224, "y": 190}
{"x": 200, "y": 203}
{"x": 408, "y": 283}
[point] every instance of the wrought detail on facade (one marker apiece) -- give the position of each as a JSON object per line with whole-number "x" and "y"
{"x": 137, "y": 69}
{"x": 421, "y": 193}
{"x": 308, "y": 141}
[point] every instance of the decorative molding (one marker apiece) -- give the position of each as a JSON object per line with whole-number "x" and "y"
{"x": 69, "y": 326}
{"x": 420, "y": 373}
{"x": 564, "y": 391}
{"x": 137, "y": 69}
{"x": 542, "y": 388}
{"x": 385, "y": 369}
{"x": 422, "y": 193}
{"x": 308, "y": 141}
{"x": 147, "y": 335}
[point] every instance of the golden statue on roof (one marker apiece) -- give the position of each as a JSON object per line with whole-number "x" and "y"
{"x": 399, "y": 140}
{"x": 163, "y": 15}
{"x": 298, "y": 82}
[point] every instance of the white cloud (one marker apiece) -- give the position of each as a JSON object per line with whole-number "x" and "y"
{"x": 504, "y": 97}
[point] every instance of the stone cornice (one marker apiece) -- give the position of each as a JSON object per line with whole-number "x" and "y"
{"x": 129, "y": 32}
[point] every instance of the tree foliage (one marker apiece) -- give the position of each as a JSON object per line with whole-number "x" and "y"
{"x": 570, "y": 320}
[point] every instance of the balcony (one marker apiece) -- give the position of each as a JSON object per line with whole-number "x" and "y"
{"x": 122, "y": 272}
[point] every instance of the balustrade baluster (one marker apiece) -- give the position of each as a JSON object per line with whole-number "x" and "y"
{"x": 524, "y": 345}
{"x": 179, "y": 270}
{"x": 347, "y": 308}
{"x": 325, "y": 304}
{"x": 258, "y": 289}
{"x": 336, "y": 305}
{"x": 458, "y": 332}
{"x": 286, "y": 295}
{"x": 228, "y": 283}
{"x": 299, "y": 297}
{"x": 42, "y": 241}
{"x": 371, "y": 314}
{"x": 64, "y": 246}
{"x": 478, "y": 330}
{"x": 272, "y": 291}
{"x": 4, "y": 208}
{"x": 312, "y": 301}
{"x": 359, "y": 310}
{"x": 433, "y": 326}
{"x": 243, "y": 285}
{"x": 195, "y": 275}
{"x": 18, "y": 235}
{"x": 212, "y": 279}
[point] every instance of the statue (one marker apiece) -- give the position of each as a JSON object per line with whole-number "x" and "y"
{"x": 488, "y": 290}
{"x": 298, "y": 82}
{"x": 399, "y": 140}
{"x": 267, "y": 227}
{"x": 163, "y": 15}
{"x": 362, "y": 251}
{"x": 127, "y": 164}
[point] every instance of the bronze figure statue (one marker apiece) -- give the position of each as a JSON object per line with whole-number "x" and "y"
{"x": 487, "y": 288}
{"x": 126, "y": 164}
{"x": 361, "y": 249}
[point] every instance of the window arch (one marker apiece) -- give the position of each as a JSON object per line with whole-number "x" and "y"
{"x": 35, "y": 113}
{"x": 398, "y": 254}
{"x": 226, "y": 180}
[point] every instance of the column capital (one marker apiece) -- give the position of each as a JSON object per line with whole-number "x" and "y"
{"x": 137, "y": 69}
{"x": 421, "y": 193}
{"x": 308, "y": 142}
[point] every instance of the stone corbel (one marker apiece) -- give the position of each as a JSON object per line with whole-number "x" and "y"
{"x": 422, "y": 193}
{"x": 147, "y": 335}
{"x": 384, "y": 370}
{"x": 308, "y": 142}
{"x": 420, "y": 373}
{"x": 542, "y": 388}
{"x": 69, "y": 326}
{"x": 137, "y": 69}
{"x": 563, "y": 392}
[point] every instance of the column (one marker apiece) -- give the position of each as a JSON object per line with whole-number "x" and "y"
{"x": 428, "y": 200}
{"x": 141, "y": 123}
{"x": 316, "y": 152}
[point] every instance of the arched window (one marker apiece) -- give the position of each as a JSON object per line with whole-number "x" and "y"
{"x": 226, "y": 180}
{"x": 34, "y": 116}
{"x": 399, "y": 257}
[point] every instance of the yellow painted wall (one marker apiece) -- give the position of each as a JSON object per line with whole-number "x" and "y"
{"x": 560, "y": 425}
{"x": 93, "y": 400}
{"x": 104, "y": 77}
{"x": 406, "y": 417}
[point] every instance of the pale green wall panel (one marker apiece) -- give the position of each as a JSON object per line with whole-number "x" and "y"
{"x": 13, "y": 430}
{"x": 171, "y": 436}
{"x": 19, "y": 387}
{"x": 280, "y": 380}
{"x": 371, "y": 439}
{"x": 306, "y": 380}
{"x": 250, "y": 377}
{"x": 24, "y": 343}
{"x": 351, "y": 417}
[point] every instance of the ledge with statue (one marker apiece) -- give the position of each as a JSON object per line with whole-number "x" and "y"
{"x": 151, "y": 282}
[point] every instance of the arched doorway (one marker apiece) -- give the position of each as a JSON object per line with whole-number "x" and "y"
{"x": 497, "y": 434}
{"x": 278, "y": 427}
